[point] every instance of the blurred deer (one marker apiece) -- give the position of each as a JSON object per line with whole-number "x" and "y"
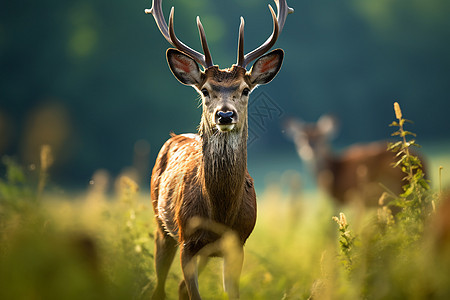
{"x": 204, "y": 176}
{"x": 361, "y": 172}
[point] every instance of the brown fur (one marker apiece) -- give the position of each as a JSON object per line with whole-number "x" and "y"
{"x": 361, "y": 173}
{"x": 227, "y": 77}
{"x": 221, "y": 191}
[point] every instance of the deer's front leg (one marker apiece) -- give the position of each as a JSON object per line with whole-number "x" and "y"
{"x": 165, "y": 249}
{"x": 233, "y": 260}
{"x": 190, "y": 273}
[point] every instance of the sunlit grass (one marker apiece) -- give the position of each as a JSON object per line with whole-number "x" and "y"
{"x": 96, "y": 245}
{"x": 102, "y": 248}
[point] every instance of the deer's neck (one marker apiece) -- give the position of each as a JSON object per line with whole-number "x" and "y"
{"x": 324, "y": 164}
{"x": 224, "y": 167}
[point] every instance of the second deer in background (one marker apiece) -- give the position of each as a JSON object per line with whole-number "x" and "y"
{"x": 360, "y": 173}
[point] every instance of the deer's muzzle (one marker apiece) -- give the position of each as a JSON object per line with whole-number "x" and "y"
{"x": 225, "y": 120}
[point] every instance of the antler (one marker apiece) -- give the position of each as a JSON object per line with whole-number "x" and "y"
{"x": 278, "y": 23}
{"x": 169, "y": 33}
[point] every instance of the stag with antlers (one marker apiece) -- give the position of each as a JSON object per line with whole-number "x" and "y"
{"x": 200, "y": 186}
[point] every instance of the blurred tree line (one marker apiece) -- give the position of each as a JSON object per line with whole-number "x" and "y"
{"x": 90, "y": 78}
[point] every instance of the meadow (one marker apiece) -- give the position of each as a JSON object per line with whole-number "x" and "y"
{"x": 99, "y": 245}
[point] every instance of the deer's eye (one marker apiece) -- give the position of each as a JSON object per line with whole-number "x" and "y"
{"x": 205, "y": 92}
{"x": 245, "y": 92}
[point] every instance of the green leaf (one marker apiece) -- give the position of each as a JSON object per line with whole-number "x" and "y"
{"x": 408, "y": 133}
{"x": 401, "y": 160}
{"x": 424, "y": 183}
{"x": 399, "y": 153}
{"x": 392, "y": 146}
{"x": 408, "y": 191}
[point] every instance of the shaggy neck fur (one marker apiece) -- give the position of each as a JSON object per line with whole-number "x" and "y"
{"x": 223, "y": 170}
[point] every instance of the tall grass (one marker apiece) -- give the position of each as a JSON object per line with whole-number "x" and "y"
{"x": 98, "y": 246}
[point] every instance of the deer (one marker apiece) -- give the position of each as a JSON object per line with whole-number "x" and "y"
{"x": 361, "y": 173}
{"x": 204, "y": 176}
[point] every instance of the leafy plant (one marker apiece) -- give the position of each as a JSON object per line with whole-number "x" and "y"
{"x": 415, "y": 202}
{"x": 389, "y": 250}
{"x": 346, "y": 241}
{"x": 14, "y": 185}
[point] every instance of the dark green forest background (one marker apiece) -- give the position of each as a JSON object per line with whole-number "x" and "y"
{"x": 90, "y": 77}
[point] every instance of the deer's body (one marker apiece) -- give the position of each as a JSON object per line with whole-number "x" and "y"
{"x": 218, "y": 191}
{"x": 362, "y": 172}
{"x": 201, "y": 190}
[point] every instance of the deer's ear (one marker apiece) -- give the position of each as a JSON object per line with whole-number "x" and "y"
{"x": 293, "y": 127}
{"x": 183, "y": 67}
{"x": 266, "y": 67}
{"x": 328, "y": 125}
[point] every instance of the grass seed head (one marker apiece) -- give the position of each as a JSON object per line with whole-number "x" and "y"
{"x": 398, "y": 111}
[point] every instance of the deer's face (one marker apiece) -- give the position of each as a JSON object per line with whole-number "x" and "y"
{"x": 312, "y": 139}
{"x": 225, "y": 93}
{"x": 225, "y": 96}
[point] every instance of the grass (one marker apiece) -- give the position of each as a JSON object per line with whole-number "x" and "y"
{"x": 98, "y": 246}
{"x": 82, "y": 248}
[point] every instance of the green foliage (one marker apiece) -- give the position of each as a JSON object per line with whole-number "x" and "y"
{"x": 67, "y": 249}
{"x": 414, "y": 203}
{"x": 388, "y": 261}
{"x": 14, "y": 186}
{"x": 94, "y": 246}
{"x": 346, "y": 241}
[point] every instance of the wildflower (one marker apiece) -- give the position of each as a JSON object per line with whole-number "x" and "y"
{"x": 342, "y": 221}
{"x": 398, "y": 111}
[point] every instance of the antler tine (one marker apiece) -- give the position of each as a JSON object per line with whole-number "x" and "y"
{"x": 283, "y": 10}
{"x": 200, "y": 58}
{"x": 240, "y": 61}
{"x": 278, "y": 23}
{"x": 266, "y": 45}
{"x": 157, "y": 13}
{"x": 169, "y": 33}
{"x": 208, "y": 58}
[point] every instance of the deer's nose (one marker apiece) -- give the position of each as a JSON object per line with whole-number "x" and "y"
{"x": 225, "y": 117}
